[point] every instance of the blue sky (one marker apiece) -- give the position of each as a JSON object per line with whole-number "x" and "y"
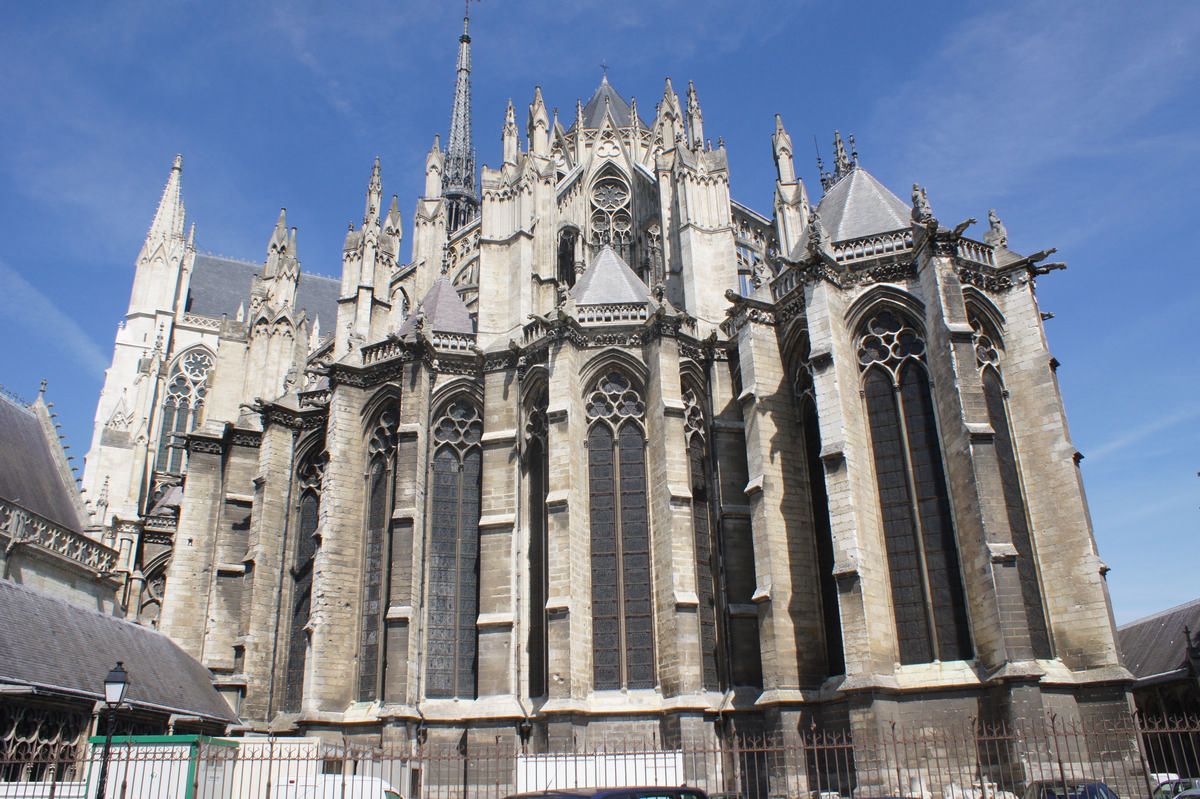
{"x": 1078, "y": 121}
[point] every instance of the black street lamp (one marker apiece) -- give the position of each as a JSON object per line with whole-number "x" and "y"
{"x": 115, "y": 685}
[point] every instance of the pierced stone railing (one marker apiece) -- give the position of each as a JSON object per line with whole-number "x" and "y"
{"x": 976, "y": 253}
{"x": 382, "y": 351}
{"x": 19, "y": 525}
{"x": 617, "y": 312}
{"x": 201, "y": 321}
{"x": 456, "y": 342}
{"x": 872, "y": 246}
{"x": 784, "y": 284}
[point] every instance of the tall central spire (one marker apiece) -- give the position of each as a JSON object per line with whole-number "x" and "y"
{"x": 458, "y": 186}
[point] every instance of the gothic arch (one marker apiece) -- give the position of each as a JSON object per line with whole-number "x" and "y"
{"x": 979, "y": 304}
{"x": 452, "y": 551}
{"x": 611, "y": 358}
{"x": 881, "y": 296}
{"x": 917, "y": 524}
{"x": 622, "y": 611}
{"x": 185, "y": 393}
{"x": 386, "y": 397}
{"x": 453, "y": 387}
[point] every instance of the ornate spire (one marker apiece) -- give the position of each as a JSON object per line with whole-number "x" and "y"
{"x": 168, "y": 220}
{"x": 842, "y": 165}
{"x": 458, "y": 182}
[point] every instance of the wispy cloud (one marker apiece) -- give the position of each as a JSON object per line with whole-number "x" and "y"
{"x": 1023, "y": 87}
{"x": 22, "y": 303}
{"x": 1141, "y": 433}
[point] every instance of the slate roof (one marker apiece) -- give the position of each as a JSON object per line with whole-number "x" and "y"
{"x": 858, "y": 205}
{"x": 1155, "y": 648}
{"x": 60, "y": 648}
{"x": 444, "y": 311}
{"x": 29, "y": 474}
{"x": 608, "y": 280}
{"x": 219, "y": 285}
{"x": 621, "y": 111}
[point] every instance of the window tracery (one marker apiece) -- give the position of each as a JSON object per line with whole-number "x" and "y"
{"x": 612, "y": 217}
{"x": 695, "y": 431}
{"x": 451, "y": 643}
{"x": 309, "y": 478}
{"x": 622, "y": 612}
{"x": 928, "y": 598}
{"x": 537, "y": 468}
{"x": 381, "y": 448}
{"x": 186, "y": 390}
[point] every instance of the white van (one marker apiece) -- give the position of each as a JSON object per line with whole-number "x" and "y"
{"x": 338, "y": 786}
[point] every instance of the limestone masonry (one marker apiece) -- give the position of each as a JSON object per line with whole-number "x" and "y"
{"x": 612, "y": 456}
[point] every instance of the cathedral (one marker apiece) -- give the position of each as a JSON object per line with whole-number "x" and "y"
{"x": 612, "y": 456}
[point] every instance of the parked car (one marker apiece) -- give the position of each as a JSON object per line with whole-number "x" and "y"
{"x": 1190, "y": 793}
{"x": 1069, "y": 789}
{"x": 1173, "y": 788}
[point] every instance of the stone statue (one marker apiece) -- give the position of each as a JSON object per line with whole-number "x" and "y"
{"x": 921, "y": 212}
{"x": 817, "y": 237}
{"x": 997, "y": 235}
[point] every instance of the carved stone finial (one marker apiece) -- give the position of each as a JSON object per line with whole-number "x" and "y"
{"x": 818, "y": 239}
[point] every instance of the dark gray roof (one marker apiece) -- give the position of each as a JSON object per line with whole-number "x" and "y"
{"x": 1156, "y": 647}
{"x": 608, "y": 280}
{"x": 29, "y": 474}
{"x": 593, "y": 112}
{"x": 60, "y": 648}
{"x": 444, "y": 311}
{"x": 858, "y": 205}
{"x": 219, "y": 285}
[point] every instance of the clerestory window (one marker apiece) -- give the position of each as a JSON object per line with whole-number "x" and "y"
{"x": 622, "y": 610}
{"x": 377, "y": 555}
{"x": 927, "y": 591}
{"x": 309, "y": 479}
{"x": 451, "y": 640}
{"x": 187, "y": 387}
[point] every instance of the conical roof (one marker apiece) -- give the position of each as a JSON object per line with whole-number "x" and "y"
{"x": 608, "y": 280}
{"x": 621, "y": 111}
{"x": 444, "y": 311}
{"x": 858, "y": 205}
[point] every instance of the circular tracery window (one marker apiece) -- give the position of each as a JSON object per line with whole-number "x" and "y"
{"x": 611, "y": 220}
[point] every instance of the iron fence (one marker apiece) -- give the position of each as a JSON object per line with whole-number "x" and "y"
{"x": 1042, "y": 759}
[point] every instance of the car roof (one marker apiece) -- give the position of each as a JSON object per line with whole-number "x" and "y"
{"x": 602, "y": 793}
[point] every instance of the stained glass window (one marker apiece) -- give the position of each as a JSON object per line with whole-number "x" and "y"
{"x": 927, "y": 592}
{"x": 186, "y": 389}
{"x": 451, "y": 639}
{"x": 622, "y": 611}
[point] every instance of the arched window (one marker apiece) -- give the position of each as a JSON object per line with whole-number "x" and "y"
{"x": 927, "y": 592}
{"x": 988, "y": 354}
{"x": 537, "y": 471}
{"x": 376, "y": 556}
{"x": 612, "y": 215}
{"x": 451, "y": 657}
{"x": 566, "y": 256}
{"x": 309, "y": 478}
{"x": 187, "y": 386}
{"x": 831, "y": 618}
{"x": 695, "y": 430}
{"x": 622, "y": 610}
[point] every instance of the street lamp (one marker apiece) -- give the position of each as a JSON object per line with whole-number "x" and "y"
{"x": 115, "y": 685}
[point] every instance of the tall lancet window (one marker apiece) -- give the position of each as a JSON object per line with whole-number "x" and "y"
{"x": 187, "y": 386}
{"x": 989, "y": 351}
{"x": 450, "y": 647}
{"x": 831, "y": 619}
{"x": 537, "y": 475}
{"x": 376, "y": 555}
{"x": 927, "y": 590}
{"x": 695, "y": 432}
{"x": 612, "y": 216}
{"x": 309, "y": 478}
{"x": 622, "y": 610}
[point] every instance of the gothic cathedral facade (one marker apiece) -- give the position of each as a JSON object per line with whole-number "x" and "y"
{"x": 612, "y": 455}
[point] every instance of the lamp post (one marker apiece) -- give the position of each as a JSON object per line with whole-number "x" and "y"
{"x": 115, "y": 685}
